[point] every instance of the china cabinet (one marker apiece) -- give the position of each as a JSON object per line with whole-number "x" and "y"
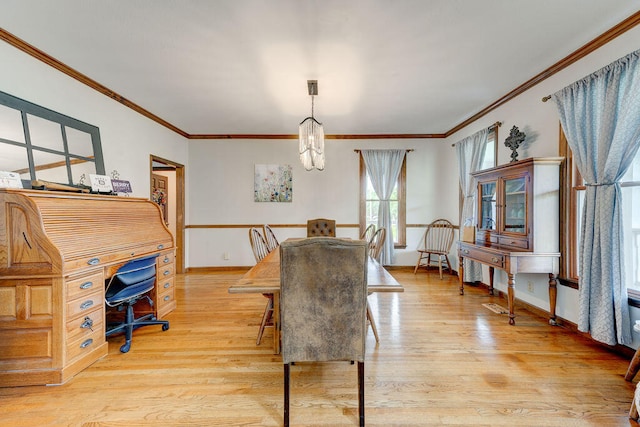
{"x": 517, "y": 226}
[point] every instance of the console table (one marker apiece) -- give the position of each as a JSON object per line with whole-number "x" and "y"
{"x": 513, "y": 262}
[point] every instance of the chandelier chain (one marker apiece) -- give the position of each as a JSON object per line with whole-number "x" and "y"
{"x": 312, "y": 105}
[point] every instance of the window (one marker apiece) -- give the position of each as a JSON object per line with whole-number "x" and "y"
{"x": 574, "y": 191}
{"x": 630, "y": 184}
{"x": 369, "y": 203}
{"x": 572, "y": 200}
{"x": 490, "y": 158}
{"x": 41, "y": 144}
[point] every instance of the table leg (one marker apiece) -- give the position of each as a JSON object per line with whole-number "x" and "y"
{"x": 491, "y": 271}
{"x": 461, "y": 273}
{"x": 553, "y": 294}
{"x": 276, "y": 322}
{"x": 510, "y": 298}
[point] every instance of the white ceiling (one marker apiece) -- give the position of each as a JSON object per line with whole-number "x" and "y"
{"x": 241, "y": 66}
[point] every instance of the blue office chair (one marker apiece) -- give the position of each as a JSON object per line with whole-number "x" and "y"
{"x": 131, "y": 283}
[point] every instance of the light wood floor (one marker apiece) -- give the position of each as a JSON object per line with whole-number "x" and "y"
{"x": 442, "y": 360}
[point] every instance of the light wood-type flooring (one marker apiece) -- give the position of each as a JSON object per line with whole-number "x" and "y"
{"x": 443, "y": 360}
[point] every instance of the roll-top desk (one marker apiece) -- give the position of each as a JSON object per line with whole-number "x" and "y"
{"x": 56, "y": 251}
{"x": 518, "y": 224}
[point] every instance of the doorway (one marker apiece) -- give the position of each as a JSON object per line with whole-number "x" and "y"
{"x": 167, "y": 189}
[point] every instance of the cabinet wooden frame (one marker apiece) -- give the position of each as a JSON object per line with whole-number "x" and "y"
{"x": 503, "y": 233}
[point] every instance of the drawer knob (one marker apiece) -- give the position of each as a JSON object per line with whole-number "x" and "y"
{"x": 167, "y": 297}
{"x": 86, "y": 285}
{"x": 94, "y": 261}
{"x": 166, "y": 259}
{"x": 166, "y": 285}
{"x": 465, "y": 251}
{"x": 166, "y": 272}
{"x": 88, "y": 303}
{"x": 87, "y": 324}
{"x": 494, "y": 259}
{"x": 160, "y": 246}
{"x": 86, "y": 343}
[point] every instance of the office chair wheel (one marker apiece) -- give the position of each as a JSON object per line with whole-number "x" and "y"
{"x": 165, "y": 327}
{"x": 125, "y": 347}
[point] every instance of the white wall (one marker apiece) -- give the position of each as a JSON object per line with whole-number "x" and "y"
{"x": 221, "y": 175}
{"x": 128, "y": 139}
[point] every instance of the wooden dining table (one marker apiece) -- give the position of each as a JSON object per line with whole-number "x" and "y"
{"x": 264, "y": 278}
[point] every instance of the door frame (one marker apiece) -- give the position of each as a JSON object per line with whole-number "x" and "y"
{"x": 179, "y": 203}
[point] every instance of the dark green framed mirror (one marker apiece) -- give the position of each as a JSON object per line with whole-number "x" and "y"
{"x": 41, "y": 144}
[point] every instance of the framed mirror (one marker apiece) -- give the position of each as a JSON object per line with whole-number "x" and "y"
{"x": 41, "y": 144}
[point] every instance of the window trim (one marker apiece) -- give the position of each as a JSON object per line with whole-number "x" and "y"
{"x": 571, "y": 183}
{"x": 402, "y": 202}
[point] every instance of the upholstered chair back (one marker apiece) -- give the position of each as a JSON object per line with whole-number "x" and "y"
{"x": 323, "y": 299}
{"x": 321, "y": 227}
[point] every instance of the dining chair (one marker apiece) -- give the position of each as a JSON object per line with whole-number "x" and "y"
{"x": 368, "y": 232}
{"x": 258, "y": 244}
{"x": 436, "y": 242}
{"x": 323, "y": 310}
{"x": 260, "y": 250}
{"x": 270, "y": 237}
{"x": 321, "y": 227}
{"x": 376, "y": 243}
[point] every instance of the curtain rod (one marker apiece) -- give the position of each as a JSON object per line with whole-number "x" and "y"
{"x": 546, "y": 98}
{"x": 493, "y": 126}
{"x": 357, "y": 150}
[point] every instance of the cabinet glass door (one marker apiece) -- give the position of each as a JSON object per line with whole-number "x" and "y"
{"x": 487, "y": 220}
{"x": 515, "y": 205}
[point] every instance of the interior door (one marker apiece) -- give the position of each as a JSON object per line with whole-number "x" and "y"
{"x": 160, "y": 194}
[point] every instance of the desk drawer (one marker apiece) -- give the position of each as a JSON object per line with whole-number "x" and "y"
{"x": 165, "y": 272}
{"x": 489, "y": 258}
{"x": 165, "y": 285}
{"x": 84, "y": 344}
{"x": 120, "y": 255}
{"x": 85, "y": 325}
{"x": 84, "y": 285}
{"x": 166, "y": 303}
{"x": 165, "y": 259}
{"x": 86, "y": 304}
{"x": 166, "y": 297}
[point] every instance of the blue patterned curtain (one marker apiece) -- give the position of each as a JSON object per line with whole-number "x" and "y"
{"x": 384, "y": 167}
{"x": 470, "y": 152}
{"x": 600, "y": 115}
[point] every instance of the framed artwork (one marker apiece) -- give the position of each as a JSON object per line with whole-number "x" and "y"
{"x": 272, "y": 183}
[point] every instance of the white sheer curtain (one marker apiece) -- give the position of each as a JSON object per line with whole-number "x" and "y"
{"x": 600, "y": 116}
{"x": 384, "y": 167}
{"x": 470, "y": 151}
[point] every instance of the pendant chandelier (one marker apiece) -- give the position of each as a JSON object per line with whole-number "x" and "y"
{"x": 311, "y": 136}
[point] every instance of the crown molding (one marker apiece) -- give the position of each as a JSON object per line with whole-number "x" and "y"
{"x": 580, "y": 53}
